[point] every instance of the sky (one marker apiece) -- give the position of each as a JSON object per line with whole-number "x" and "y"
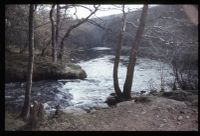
{"x": 82, "y": 12}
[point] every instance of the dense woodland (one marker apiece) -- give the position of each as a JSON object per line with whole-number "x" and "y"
{"x": 41, "y": 42}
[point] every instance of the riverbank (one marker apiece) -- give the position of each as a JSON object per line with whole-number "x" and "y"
{"x": 16, "y": 68}
{"x": 158, "y": 113}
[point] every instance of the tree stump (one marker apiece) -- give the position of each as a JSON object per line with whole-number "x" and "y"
{"x": 36, "y": 115}
{"x": 57, "y": 111}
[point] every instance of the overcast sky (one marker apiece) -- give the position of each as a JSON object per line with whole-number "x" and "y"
{"x": 82, "y": 12}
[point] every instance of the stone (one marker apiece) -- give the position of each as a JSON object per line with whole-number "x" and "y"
{"x": 137, "y": 115}
{"x": 143, "y": 112}
{"x": 180, "y": 118}
{"x": 161, "y": 125}
{"x": 179, "y": 123}
{"x": 165, "y": 120}
{"x": 187, "y": 117}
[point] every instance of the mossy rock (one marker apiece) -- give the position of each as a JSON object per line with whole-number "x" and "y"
{"x": 16, "y": 66}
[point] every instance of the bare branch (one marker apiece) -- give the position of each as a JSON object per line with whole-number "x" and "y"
{"x": 84, "y": 7}
{"x": 76, "y": 25}
{"x": 132, "y": 24}
{"x": 67, "y": 6}
{"x": 75, "y": 13}
{"x": 98, "y": 25}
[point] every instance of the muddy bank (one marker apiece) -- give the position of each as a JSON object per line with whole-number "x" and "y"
{"x": 16, "y": 68}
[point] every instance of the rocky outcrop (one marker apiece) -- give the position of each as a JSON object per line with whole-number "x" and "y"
{"x": 16, "y": 66}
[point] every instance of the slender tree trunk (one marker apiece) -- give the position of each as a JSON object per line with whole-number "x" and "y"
{"x": 54, "y": 46}
{"x": 45, "y": 45}
{"x": 25, "y": 45}
{"x": 132, "y": 58}
{"x": 26, "y": 108}
{"x": 62, "y": 44}
{"x": 57, "y": 27}
{"x": 117, "y": 57}
{"x": 115, "y": 69}
{"x": 20, "y": 47}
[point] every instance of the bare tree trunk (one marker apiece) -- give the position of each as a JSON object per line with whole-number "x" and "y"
{"x": 20, "y": 46}
{"x": 45, "y": 45}
{"x": 54, "y": 46}
{"x": 117, "y": 56}
{"x": 57, "y": 26}
{"x": 36, "y": 115}
{"x": 132, "y": 59}
{"x": 26, "y": 108}
{"x": 25, "y": 45}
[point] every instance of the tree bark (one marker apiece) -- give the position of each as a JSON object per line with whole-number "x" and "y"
{"x": 26, "y": 107}
{"x": 53, "y": 29}
{"x": 117, "y": 56}
{"x": 132, "y": 58}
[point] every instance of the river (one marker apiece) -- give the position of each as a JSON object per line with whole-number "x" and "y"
{"x": 91, "y": 92}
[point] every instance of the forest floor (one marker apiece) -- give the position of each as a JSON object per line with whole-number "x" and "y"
{"x": 158, "y": 114}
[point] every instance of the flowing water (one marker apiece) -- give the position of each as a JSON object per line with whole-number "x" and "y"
{"x": 92, "y": 91}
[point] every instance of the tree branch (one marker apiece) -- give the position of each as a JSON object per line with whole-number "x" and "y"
{"x": 76, "y": 25}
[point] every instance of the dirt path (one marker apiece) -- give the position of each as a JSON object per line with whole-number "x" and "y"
{"x": 159, "y": 114}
